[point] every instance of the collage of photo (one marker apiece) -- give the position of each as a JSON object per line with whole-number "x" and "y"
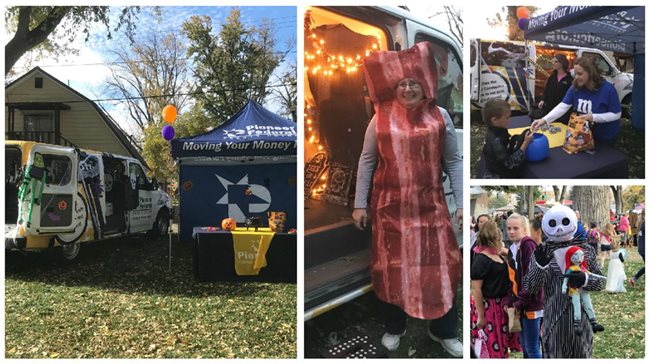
{"x": 302, "y": 182}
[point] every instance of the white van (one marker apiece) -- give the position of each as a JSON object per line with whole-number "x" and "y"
{"x": 516, "y": 73}
{"x": 62, "y": 196}
{"x": 337, "y": 255}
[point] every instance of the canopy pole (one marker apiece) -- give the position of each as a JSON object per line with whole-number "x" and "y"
{"x": 526, "y": 92}
{"x": 170, "y": 243}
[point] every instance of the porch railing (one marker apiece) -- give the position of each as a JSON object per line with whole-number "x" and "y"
{"x": 39, "y": 136}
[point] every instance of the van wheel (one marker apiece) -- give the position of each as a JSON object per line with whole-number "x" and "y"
{"x": 70, "y": 252}
{"x": 161, "y": 226}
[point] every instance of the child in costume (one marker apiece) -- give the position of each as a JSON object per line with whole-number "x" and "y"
{"x": 616, "y": 270}
{"x": 575, "y": 260}
{"x": 492, "y": 291}
{"x": 503, "y": 155}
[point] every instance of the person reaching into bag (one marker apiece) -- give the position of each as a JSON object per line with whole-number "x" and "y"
{"x": 592, "y": 97}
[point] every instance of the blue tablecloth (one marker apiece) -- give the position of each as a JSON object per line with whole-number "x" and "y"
{"x": 606, "y": 162}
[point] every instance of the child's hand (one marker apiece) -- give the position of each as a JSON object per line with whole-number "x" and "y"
{"x": 528, "y": 137}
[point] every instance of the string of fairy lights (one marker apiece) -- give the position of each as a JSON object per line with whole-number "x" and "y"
{"x": 320, "y": 61}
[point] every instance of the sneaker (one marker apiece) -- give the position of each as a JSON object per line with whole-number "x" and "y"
{"x": 391, "y": 341}
{"x": 632, "y": 281}
{"x": 452, "y": 346}
{"x": 596, "y": 327}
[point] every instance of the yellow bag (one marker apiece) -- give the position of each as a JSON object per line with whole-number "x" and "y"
{"x": 578, "y": 135}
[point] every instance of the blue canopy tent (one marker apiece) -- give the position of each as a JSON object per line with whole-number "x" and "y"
{"x": 243, "y": 168}
{"x": 613, "y": 28}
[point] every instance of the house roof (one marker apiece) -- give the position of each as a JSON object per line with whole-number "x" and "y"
{"x": 119, "y": 133}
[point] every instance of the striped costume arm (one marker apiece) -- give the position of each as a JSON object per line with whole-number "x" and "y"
{"x": 534, "y": 279}
{"x": 592, "y": 284}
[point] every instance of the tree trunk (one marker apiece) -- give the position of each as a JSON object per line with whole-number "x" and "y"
{"x": 531, "y": 201}
{"x": 523, "y": 198}
{"x": 556, "y": 192}
{"x": 563, "y": 193}
{"x": 593, "y": 203}
{"x": 618, "y": 198}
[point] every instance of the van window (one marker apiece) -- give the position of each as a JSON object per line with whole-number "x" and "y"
{"x": 59, "y": 169}
{"x": 138, "y": 177}
{"x": 450, "y": 78}
{"x": 601, "y": 63}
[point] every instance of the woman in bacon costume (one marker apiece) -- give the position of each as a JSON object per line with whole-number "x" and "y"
{"x": 416, "y": 262}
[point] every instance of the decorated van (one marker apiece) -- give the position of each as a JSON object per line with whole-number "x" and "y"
{"x": 517, "y": 71}
{"x": 62, "y": 197}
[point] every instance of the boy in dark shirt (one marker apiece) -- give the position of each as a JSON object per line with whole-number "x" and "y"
{"x": 503, "y": 155}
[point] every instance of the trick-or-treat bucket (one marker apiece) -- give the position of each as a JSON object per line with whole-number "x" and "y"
{"x": 538, "y": 148}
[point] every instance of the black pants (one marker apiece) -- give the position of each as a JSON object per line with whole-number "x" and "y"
{"x": 445, "y": 327}
{"x": 641, "y": 271}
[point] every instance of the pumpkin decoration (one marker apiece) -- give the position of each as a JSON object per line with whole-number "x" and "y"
{"x": 228, "y": 224}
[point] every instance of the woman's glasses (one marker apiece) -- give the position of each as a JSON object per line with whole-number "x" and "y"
{"x": 411, "y": 84}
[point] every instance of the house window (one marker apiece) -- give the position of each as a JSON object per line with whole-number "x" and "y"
{"x": 38, "y": 82}
{"x": 39, "y": 123}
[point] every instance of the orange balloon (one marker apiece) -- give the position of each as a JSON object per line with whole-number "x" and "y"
{"x": 522, "y": 12}
{"x": 169, "y": 113}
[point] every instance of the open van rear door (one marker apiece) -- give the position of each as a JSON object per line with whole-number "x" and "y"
{"x": 475, "y": 73}
{"x": 49, "y": 191}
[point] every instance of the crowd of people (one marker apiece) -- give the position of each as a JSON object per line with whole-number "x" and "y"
{"x": 523, "y": 271}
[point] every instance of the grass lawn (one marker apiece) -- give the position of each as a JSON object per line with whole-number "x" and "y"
{"x": 623, "y": 316}
{"x": 630, "y": 141}
{"x": 120, "y": 301}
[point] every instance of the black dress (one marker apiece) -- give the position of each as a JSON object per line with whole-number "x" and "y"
{"x": 554, "y": 94}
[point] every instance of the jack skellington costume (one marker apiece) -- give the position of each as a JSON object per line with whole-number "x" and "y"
{"x": 547, "y": 271}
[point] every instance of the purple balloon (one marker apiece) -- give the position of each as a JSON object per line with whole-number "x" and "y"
{"x": 522, "y": 23}
{"x": 168, "y": 132}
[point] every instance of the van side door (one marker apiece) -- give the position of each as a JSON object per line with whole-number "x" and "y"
{"x": 475, "y": 70}
{"x": 141, "y": 218}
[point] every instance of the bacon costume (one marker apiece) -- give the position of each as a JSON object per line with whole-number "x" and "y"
{"x": 416, "y": 261}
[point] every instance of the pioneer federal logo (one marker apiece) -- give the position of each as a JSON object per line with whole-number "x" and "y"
{"x": 242, "y": 203}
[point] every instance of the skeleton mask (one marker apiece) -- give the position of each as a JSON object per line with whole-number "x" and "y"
{"x": 559, "y": 223}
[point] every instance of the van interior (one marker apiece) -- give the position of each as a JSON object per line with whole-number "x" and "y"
{"x": 338, "y": 111}
{"x": 13, "y": 165}
{"x": 115, "y": 180}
